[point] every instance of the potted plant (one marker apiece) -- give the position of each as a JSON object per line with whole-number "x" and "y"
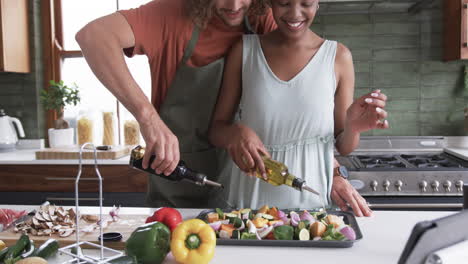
{"x": 56, "y": 98}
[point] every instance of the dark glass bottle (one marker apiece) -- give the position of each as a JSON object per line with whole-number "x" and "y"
{"x": 181, "y": 172}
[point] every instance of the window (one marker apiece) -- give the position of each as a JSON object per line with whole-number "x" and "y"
{"x": 67, "y": 18}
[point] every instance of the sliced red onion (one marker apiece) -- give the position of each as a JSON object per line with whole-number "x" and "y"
{"x": 295, "y": 218}
{"x": 317, "y": 238}
{"x": 225, "y": 222}
{"x": 216, "y": 225}
{"x": 306, "y": 216}
{"x": 245, "y": 216}
{"x": 258, "y": 236}
{"x": 278, "y": 223}
{"x": 264, "y": 231}
{"x": 348, "y": 232}
{"x": 281, "y": 214}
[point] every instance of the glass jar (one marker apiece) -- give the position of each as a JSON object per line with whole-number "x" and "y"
{"x": 131, "y": 132}
{"x": 88, "y": 127}
{"x": 109, "y": 128}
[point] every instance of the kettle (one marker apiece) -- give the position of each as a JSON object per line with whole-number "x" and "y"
{"x": 8, "y": 138}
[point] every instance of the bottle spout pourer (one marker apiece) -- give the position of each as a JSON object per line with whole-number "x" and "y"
{"x": 305, "y": 187}
{"x": 213, "y": 184}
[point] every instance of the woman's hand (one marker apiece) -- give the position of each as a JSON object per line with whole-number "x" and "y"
{"x": 344, "y": 195}
{"x": 367, "y": 113}
{"x": 246, "y": 149}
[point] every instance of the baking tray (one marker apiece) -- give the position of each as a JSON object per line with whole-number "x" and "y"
{"x": 348, "y": 218}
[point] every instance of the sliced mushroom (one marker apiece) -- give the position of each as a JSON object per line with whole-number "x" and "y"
{"x": 71, "y": 213}
{"x": 39, "y": 217}
{"x": 46, "y": 216}
{"x": 66, "y": 232}
{"x": 51, "y": 210}
{"x": 90, "y": 218}
{"x": 36, "y": 222}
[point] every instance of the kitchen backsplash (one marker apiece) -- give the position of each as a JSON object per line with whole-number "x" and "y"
{"x": 401, "y": 54}
{"x": 19, "y": 93}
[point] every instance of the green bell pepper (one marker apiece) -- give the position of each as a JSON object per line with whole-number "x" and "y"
{"x": 283, "y": 232}
{"x": 149, "y": 243}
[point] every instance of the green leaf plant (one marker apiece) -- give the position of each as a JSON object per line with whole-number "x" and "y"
{"x": 57, "y": 97}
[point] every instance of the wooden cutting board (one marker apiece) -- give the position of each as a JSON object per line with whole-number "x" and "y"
{"x": 74, "y": 153}
{"x": 125, "y": 225}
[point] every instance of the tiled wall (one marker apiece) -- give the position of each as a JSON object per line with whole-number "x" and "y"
{"x": 398, "y": 53}
{"x": 401, "y": 54}
{"x": 19, "y": 92}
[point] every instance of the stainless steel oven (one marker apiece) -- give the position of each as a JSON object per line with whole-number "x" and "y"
{"x": 407, "y": 173}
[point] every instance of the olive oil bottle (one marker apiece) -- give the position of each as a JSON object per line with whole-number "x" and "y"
{"x": 181, "y": 172}
{"x": 278, "y": 174}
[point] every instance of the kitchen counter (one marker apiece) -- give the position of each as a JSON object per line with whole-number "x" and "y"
{"x": 28, "y": 157}
{"x": 384, "y": 237}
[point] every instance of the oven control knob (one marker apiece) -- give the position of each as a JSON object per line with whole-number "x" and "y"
{"x": 385, "y": 185}
{"x": 435, "y": 186}
{"x": 398, "y": 185}
{"x": 447, "y": 185}
{"x": 373, "y": 185}
{"x": 459, "y": 185}
{"x": 422, "y": 186}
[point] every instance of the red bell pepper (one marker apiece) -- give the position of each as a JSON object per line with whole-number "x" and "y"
{"x": 166, "y": 215}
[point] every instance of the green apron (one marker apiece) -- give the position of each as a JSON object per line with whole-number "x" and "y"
{"x": 187, "y": 111}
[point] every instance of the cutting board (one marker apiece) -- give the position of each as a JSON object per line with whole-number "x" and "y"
{"x": 74, "y": 153}
{"x": 125, "y": 226}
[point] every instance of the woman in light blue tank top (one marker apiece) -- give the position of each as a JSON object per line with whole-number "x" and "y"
{"x": 291, "y": 91}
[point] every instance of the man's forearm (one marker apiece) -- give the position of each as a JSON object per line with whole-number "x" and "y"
{"x": 104, "y": 55}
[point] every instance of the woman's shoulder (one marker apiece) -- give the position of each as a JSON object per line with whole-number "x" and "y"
{"x": 342, "y": 52}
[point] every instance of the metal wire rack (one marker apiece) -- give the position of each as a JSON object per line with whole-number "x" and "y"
{"x": 106, "y": 254}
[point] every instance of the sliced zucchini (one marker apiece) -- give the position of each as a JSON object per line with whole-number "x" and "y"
{"x": 259, "y": 215}
{"x": 236, "y": 234}
{"x": 268, "y": 217}
{"x": 301, "y": 225}
{"x": 245, "y": 211}
{"x": 220, "y": 213}
{"x": 230, "y": 215}
{"x": 236, "y": 221}
{"x": 304, "y": 234}
{"x": 251, "y": 215}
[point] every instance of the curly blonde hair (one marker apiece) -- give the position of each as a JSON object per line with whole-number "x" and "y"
{"x": 201, "y": 11}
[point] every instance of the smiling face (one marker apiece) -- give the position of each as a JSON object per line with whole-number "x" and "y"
{"x": 232, "y": 12}
{"x": 294, "y": 17}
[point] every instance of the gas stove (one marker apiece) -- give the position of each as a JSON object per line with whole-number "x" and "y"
{"x": 411, "y": 167}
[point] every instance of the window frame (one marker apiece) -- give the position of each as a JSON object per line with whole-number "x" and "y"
{"x": 55, "y": 53}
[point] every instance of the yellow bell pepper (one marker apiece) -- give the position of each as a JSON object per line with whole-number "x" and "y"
{"x": 193, "y": 242}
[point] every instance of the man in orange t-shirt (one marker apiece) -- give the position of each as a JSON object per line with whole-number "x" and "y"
{"x": 185, "y": 42}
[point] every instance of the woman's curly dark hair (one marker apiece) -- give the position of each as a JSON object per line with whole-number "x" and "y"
{"x": 201, "y": 11}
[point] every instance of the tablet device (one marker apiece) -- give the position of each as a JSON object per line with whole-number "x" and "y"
{"x": 430, "y": 236}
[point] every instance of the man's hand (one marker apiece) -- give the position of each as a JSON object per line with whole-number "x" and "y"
{"x": 246, "y": 148}
{"x": 343, "y": 193}
{"x": 159, "y": 141}
{"x": 367, "y": 113}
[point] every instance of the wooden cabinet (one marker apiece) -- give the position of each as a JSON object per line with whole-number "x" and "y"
{"x": 61, "y": 178}
{"x": 14, "y": 36}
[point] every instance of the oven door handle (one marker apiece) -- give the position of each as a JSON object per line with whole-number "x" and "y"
{"x": 377, "y": 206}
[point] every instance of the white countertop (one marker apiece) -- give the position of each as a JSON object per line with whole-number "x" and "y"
{"x": 457, "y": 146}
{"x": 384, "y": 237}
{"x": 28, "y": 156}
